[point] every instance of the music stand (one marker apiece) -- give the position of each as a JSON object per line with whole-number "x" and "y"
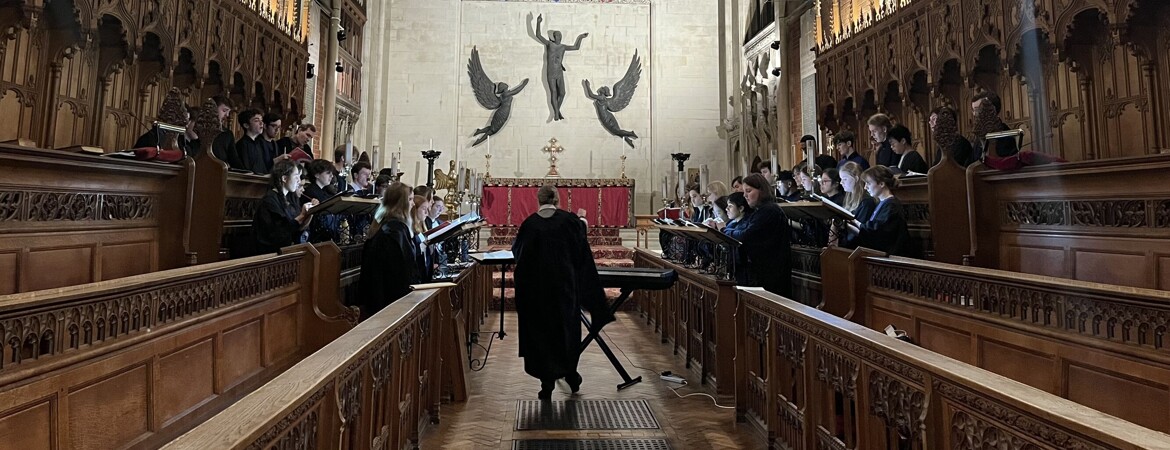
{"x": 503, "y": 259}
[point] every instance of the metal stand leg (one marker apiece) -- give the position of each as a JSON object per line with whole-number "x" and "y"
{"x": 477, "y": 364}
{"x": 595, "y": 334}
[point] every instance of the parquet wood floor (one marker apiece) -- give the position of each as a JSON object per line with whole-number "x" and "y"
{"x": 487, "y": 419}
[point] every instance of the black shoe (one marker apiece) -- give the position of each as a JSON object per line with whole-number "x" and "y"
{"x": 574, "y": 381}
{"x": 546, "y": 388}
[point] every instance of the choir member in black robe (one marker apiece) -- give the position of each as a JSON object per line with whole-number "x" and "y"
{"x": 765, "y": 239}
{"x": 908, "y": 159}
{"x": 390, "y": 256}
{"x": 281, "y": 217}
{"x": 301, "y": 139}
{"x": 254, "y": 153}
{"x": 885, "y": 229}
{"x": 737, "y": 211}
{"x": 223, "y": 145}
{"x": 555, "y": 278}
{"x": 831, "y": 186}
{"x": 879, "y": 129}
{"x": 857, "y": 201}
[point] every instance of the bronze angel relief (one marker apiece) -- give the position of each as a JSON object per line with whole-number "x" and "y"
{"x": 491, "y": 95}
{"x": 623, "y": 92}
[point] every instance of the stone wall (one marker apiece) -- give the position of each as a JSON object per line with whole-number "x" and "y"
{"x": 420, "y": 89}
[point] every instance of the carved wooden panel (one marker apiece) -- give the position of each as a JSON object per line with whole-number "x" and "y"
{"x": 907, "y": 397}
{"x": 1084, "y": 80}
{"x": 94, "y": 72}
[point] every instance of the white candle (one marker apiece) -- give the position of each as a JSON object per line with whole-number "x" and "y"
{"x": 417, "y": 170}
{"x": 703, "y": 175}
{"x": 460, "y": 178}
{"x": 775, "y": 157}
{"x": 431, "y": 145}
{"x": 665, "y": 186}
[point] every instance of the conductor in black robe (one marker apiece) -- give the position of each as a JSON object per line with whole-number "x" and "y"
{"x": 555, "y": 277}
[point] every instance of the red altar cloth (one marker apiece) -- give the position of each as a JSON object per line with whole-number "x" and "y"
{"x": 607, "y": 203}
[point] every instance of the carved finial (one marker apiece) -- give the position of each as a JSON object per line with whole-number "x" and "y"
{"x": 173, "y": 111}
{"x": 207, "y": 124}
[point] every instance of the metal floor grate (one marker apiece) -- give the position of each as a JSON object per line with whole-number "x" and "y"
{"x": 590, "y": 444}
{"x": 585, "y": 415}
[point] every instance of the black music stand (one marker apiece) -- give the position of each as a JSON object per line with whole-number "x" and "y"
{"x": 666, "y": 278}
{"x": 503, "y": 259}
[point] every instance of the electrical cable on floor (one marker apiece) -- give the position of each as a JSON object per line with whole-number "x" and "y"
{"x": 674, "y": 390}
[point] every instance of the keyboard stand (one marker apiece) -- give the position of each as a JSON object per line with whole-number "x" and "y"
{"x": 595, "y": 334}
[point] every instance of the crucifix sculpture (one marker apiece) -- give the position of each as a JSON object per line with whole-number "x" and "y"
{"x": 552, "y": 149}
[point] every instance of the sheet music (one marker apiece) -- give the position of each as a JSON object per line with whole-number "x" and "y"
{"x": 498, "y": 254}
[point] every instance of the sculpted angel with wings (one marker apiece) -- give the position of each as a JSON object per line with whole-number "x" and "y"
{"x": 607, "y": 104}
{"x": 491, "y": 95}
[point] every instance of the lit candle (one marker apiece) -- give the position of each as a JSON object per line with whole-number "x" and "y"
{"x": 775, "y": 157}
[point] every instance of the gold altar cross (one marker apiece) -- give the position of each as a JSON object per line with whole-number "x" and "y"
{"x": 552, "y": 149}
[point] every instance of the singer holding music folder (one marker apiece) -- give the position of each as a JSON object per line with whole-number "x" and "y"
{"x": 390, "y": 257}
{"x": 555, "y": 278}
{"x": 281, "y": 217}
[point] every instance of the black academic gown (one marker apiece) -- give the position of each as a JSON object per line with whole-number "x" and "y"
{"x": 389, "y": 267}
{"x": 863, "y": 211}
{"x": 555, "y": 278}
{"x": 912, "y": 162}
{"x": 885, "y": 230}
{"x": 764, "y": 239}
{"x": 886, "y": 156}
{"x": 275, "y": 223}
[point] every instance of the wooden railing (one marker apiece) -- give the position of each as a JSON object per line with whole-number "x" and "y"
{"x": 138, "y": 360}
{"x": 809, "y": 380}
{"x": 696, "y": 316}
{"x": 1103, "y": 346}
{"x": 374, "y": 387}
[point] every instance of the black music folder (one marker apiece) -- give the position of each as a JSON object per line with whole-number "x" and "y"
{"x": 341, "y": 204}
{"x": 453, "y": 229}
{"x": 494, "y": 258}
{"x": 823, "y": 210}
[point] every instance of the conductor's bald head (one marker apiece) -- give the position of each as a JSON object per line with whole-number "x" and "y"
{"x": 547, "y": 195}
